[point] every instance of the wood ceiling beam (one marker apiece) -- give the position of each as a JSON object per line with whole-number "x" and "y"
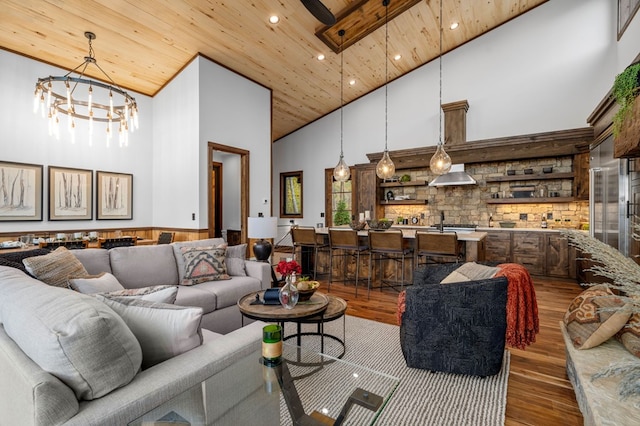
{"x": 359, "y": 20}
{"x": 536, "y": 145}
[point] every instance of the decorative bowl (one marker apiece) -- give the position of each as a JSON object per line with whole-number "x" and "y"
{"x": 304, "y": 295}
{"x": 358, "y": 226}
{"x": 507, "y": 224}
{"x": 379, "y": 225}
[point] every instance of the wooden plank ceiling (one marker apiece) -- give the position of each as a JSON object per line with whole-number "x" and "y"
{"x": 142, "y": 44}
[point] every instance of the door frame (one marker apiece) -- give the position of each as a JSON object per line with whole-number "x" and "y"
{"x": 244, "y": 185}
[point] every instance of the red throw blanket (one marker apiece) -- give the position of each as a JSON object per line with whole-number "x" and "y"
{"x": 522, "y": 308}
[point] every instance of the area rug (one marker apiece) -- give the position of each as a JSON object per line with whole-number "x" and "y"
{"x": 422, "y": 397}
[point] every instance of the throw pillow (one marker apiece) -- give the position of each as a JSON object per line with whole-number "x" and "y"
{"x": 70, "y": 335}
{"x": 157, "y": 293}
{"x": 470, "y": 271}
{"x": 203, "y": 264}
{"x": 588, "y": 324}
{"x": 235, "y": 258}
{"x": 56, "y": 267}
{"x": 91, "y": 284}
{"x": 163, "y": 330}
{"x": 629, "y": 335}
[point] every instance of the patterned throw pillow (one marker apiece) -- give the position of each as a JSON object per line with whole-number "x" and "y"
{"x": 629, "y": 335}
{"x": 156, "y": 293}
{"x": 587, "y": 324}
{"x": 55, "y": 268}
{"x": 470, "y": 271}
{"x": 203, "y": 264}
{"x": 236, "y": 255}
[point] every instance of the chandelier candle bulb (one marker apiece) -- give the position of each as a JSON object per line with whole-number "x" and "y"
{"x": 271, "y": 344}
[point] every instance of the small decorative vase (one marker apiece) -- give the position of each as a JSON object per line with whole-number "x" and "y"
{"x": 289, "y": 293}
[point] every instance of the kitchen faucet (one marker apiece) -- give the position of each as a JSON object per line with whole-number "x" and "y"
{"x": 441, "y": 222}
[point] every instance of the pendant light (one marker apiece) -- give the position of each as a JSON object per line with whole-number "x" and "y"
{"x": 341, "y": 172}
{"x": 385, "y": 168}
{"x": 440, "y": 162}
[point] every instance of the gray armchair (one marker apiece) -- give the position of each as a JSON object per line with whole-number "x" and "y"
{"x": 457, "y": 327}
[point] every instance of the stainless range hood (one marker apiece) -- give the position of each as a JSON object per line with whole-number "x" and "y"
{"x": 456, "y": 176}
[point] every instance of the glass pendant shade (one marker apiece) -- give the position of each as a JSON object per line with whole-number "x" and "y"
{"x": 385, "y": 168}
{"x": 341, "y": 172}
{"x": 440, "y": 162}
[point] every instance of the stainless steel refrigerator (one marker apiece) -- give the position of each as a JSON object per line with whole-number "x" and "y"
{"x": 609, "y": 206}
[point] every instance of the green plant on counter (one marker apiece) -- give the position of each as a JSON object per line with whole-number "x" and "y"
{"x": 399, "y": 219}
{"x": 342, "y": 216}
{"x": 625, "y": 89}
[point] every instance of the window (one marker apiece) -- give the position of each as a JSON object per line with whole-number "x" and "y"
{"x": 626, "y": 11}
{"x": 336, "y": 192}
{"x": 291, "y": 194}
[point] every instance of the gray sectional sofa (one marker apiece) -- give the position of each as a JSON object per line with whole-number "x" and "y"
{"x": 36, "y": 318}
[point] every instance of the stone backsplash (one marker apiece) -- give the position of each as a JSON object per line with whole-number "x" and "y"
{"x": 468, "y": 204}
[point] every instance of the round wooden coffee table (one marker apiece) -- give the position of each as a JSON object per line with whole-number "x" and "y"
{"x": 321, "y": 308}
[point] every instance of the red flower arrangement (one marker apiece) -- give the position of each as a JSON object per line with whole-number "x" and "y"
{"x": 285, "y": 268}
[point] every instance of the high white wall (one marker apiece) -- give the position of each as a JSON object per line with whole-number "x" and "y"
{"x": 24, "y": 138}
{"x": 544, "y": 71}
{"x": 235, "y": 111}
{"x": 167, "y": 155}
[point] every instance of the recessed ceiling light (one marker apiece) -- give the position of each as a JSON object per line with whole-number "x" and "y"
{"x": 321, "y": 57}
{"x": 454, "y": 25}
{"x": 397, "y": 57}
{"x": 274, "y": 19}
{"x": 352, "y": 82}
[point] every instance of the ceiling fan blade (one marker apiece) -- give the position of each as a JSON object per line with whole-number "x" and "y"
{"x": 320, "y": 11}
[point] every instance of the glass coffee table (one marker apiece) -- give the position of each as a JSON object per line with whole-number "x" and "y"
{"x": 312, "y": 389}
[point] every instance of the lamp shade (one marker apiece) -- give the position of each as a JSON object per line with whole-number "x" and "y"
{"x": 262, "y": 227}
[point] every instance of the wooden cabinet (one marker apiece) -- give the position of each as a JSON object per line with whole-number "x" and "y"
{"x": 557, "y": 256}
{"x": 233, "y": 237}
{"x": 528, "y": 250}
{"x": 581, "y": 178}
{"x": 498, "y": 246}
{"x": 366, "y": 190}
{"x": 542, "y": 253}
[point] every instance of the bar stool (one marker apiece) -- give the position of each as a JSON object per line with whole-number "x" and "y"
{"x": 440, "y": 247}
{"x": 346, "y": 244}
{"x": 305, "y": 237}
{"x": 388, "y": 245}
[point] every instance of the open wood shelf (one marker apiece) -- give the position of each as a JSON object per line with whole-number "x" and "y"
{"x": 403, "y": 202}
{"x": 539, "y": 176}
{"x": 398, "y": 184}
{"x": 530, "y": 200}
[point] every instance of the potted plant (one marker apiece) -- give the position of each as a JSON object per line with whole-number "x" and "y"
{"x": 625, "y": 89}
{"x": 342, "y": 216}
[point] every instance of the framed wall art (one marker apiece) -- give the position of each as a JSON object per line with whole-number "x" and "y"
{"x": 70, "y": 194}
{"x": 626, "y": 11}
{"x": 20, "y": 192}
{"x": 114, "y": 196}
{"x": 291, "y": 194}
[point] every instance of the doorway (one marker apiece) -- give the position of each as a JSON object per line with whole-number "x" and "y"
{"x": 216, "y": 155}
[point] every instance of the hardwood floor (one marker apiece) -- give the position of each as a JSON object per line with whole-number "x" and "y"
{"x": 539, "y": 391}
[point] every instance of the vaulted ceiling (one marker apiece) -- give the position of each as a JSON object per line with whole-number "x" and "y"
{"x": 142, "y": 44}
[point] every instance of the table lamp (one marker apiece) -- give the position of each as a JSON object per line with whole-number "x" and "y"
{"x": 261, "y": 228}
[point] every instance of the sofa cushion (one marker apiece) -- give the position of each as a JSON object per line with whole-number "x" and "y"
{"x": 144, "y": 266}
{"x": 587, "y": 324}
{"x": 204, "y": 264}
{"x": 74, "y": 337}
{"x": 196, "y": 296}
{"x": 91, "y": 284}
{"x": 229, "y": 292}
{"x": 157, "y": 293}
{"x": 163, "y": 330}
{"x": 177, "y": 250}
{"x": 235, "y": 260}
{"x": 94, "y": 260}
{"x": 56, "y": 267}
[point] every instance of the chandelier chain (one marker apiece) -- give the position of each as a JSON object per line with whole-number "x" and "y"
{"x": 386, "y": 72}
{"x": 440, "y": 63}
{"x": 341, "y": 33}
